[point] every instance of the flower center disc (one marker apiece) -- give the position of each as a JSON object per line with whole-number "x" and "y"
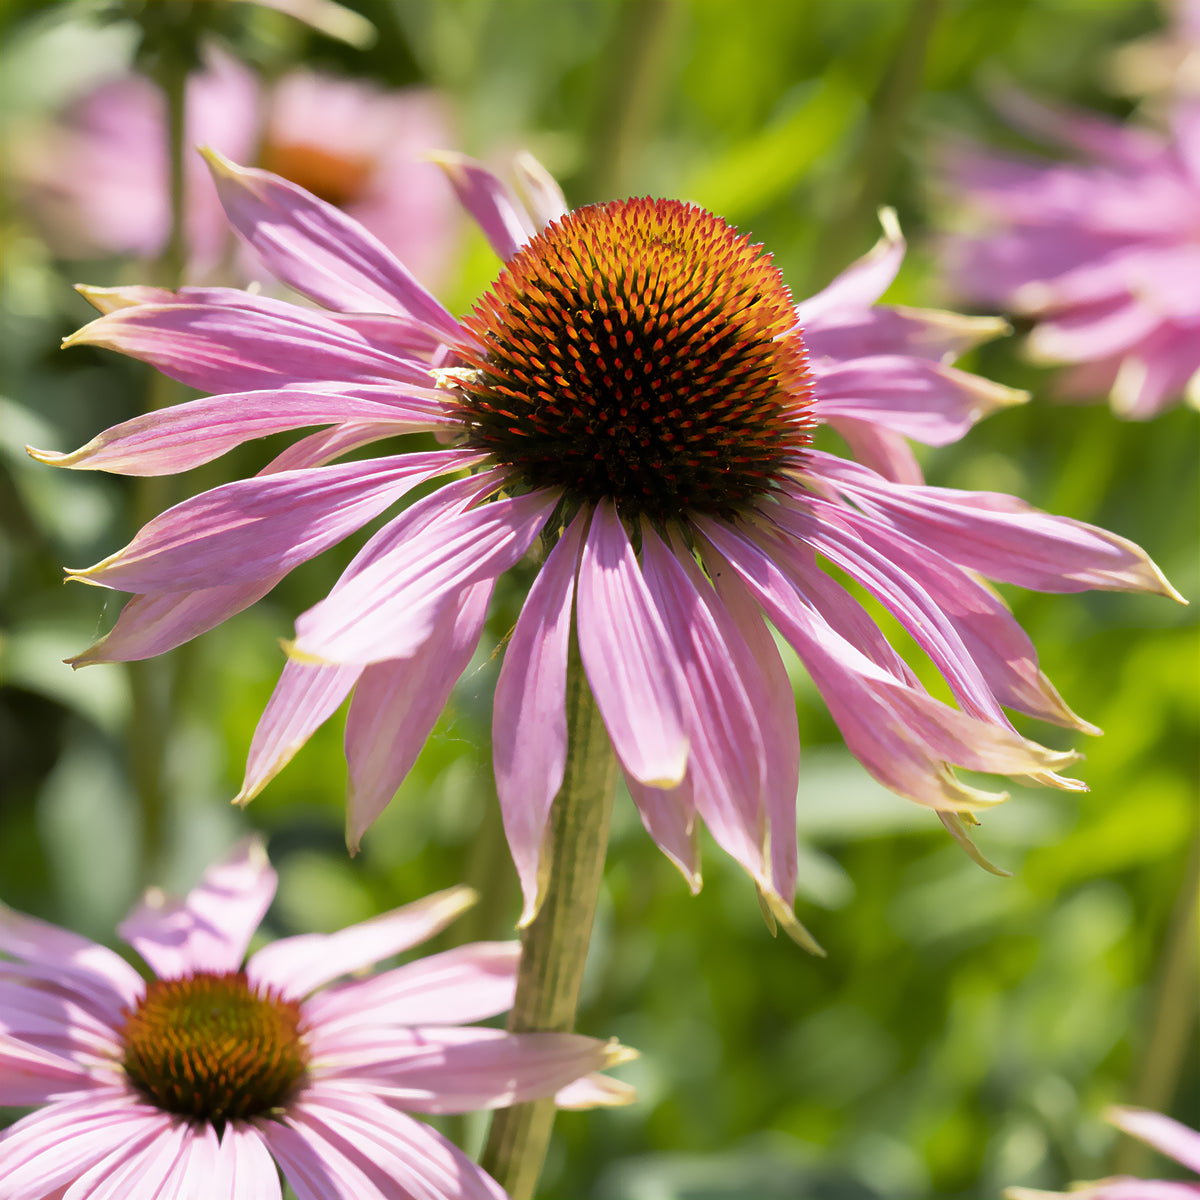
{"x": 210, "y": 1046}
{"x": 644, "y": 352}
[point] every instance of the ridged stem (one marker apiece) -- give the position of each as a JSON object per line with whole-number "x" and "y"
{"x": 554, "y": 945}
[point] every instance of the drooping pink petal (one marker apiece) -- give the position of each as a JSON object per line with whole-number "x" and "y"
{"x": 726, "y": 758}
{"x": 446, "y": 1069}
{"x": 669, "y": 816}
{"x": 468, "y": 983}
{"x": 47, "y": 1150}
{"x": 77, "y": 964}
{"x": 338, "y": 1145}
{"x": 256, "y": 528}
{"x": 998, "y": 535}
{"x": 319, "y": 250}
{"x": 260, "y": 344}
{"x": 904, "y": 737}
{"x": 31, "y": 1074}
{"x": 46, "y": 1018}
{"x": 395, "y": 706}
{"x": 897, "y": 329}
{"x": 386, "y": 605}
{"x": 539, "y": 190}
{"x": 211, "y": 929}
{"x": 299, "y": 965}
{"x": 627, "y": 655}
{"x": 255, "y": 1176}
{"x": 529, "y": 721}
{"x": 143, "y": 1164}
{"x": 497, "y": 212}
{"x": 921, "y": 399}
{"x": 187, "y": 435}
{"x": 864, "y": 281}
{"x": 885, "y": 452}
{"x": 153, "y": 624}
{"x": 304, "y": 699}
{"x": 1169, "y": 1137}
{"x": 595, "y": 1091}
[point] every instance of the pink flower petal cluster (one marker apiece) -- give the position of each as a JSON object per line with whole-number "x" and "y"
{"x": 1171, "y": 1138}
{"x": 96, "y": 181}
{"x": 670, "y": 619}
{"x": 1102, "y": 253}
{"x": 378, "y": 1047}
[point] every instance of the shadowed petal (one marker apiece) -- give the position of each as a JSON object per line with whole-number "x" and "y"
{"x": 299, "y": 965}
{"x": 386, "y": 605}
{"x": 396, "y": 704}
{"x": 303, "y": 700}
{"x": 883, "y": 451}
{"x": 468, "y": 983}
{"x": 669, "y": 815}
{"x": 627, "y": 655}
{"x": 319, "y": 250}
{"x": 254, "y": 528}
{"x": 529, "y": 720}
{"x": 210, "y": 930}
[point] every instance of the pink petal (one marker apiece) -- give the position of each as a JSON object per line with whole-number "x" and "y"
{"x": 386, "y": 604}
{"x": 529, "y": 721}
{"x": 338, "y": 1145}
{"x": 320, "y": 251}
{"x": 595, "y": 1091}
{"x": 258, "y": 344}
{"x": 1167, "y": 1136}
{"x": 153, "y": 624}
{"x": 864, "y": 281}
{"x": 81, "y": 967}
{"x": 45, "y": 1018}
{"x": 255, "y": 1176}
{"x": 468, "y": 983}
{"x": 299, "y": 965}
{"x": 143, "y": 1164}
{"x": 669, "y": 817}
{"x": 52, "y": 1147}
{"x": 1092, "y": 330}
{"x": 628, "y": 657}
{"x": 883, "y": 451}
{"x": 923, "y": 400}
{"x": 726, "y": 760}
{"x": 254, "y": 528}
{"x": 303, "y": 700}
{"x": 396, "y": 704}
{"x": 501, "y": 216}
{"x": 998, "y": 535}
{"x": 188, "y": 435}
{"x": 542, "y": 196}
{"x": 459, "y": 1069}
{"x": 211, "y": 928}
{"x": 32, "y": 1074}
{"x": 895, "y": 329}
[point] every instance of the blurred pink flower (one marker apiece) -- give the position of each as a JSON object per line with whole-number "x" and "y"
{"x": 638, "y": 391}
{"x": 1103, "y": 254}
{"x": 1169, "y": 1137}
{"x": 95, "y": 182}
{"x": 198, "y": 1082}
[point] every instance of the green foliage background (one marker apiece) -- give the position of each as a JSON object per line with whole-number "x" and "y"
{"x": 966, "y": 1030}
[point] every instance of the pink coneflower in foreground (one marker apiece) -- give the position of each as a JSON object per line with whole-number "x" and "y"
{"x": 1169, "y": 1137}
{"x": 200, "y": 1082}
{"x": 96, "y": 180}
{"x": 1103, "y": 253}
{"x": 633, "y": 401}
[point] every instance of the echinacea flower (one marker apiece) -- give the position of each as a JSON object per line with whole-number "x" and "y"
{"x": 95, "y": 181}
{"x": 1102, "y": 253}
{"x": 1169, "y": 1137}
{"x": 199, "y": 1082}
{"x": 635, "y": 399}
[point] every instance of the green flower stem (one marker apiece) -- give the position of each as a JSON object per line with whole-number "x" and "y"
{"x": 554, "y": 945}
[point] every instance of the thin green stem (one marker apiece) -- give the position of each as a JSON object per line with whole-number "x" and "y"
{"x": 554, "y": 945}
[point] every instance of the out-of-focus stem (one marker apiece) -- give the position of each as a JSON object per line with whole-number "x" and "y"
{"x": 554, "y": 945}
{"x": 1171, "y": 1022}
{"x": 840, "y": 240}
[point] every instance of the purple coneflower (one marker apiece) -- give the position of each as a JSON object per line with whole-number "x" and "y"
{"x": 1169, "y": 1137}
{"x": 95, "y": 181}
{"x": 1102, "y": 253}
{"x": 203, "y": 1080}
{"x": 634, "y": 400}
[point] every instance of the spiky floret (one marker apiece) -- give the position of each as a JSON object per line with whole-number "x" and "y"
{"x": 213, "y": 1047}
{"x": 641, "y": 351}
